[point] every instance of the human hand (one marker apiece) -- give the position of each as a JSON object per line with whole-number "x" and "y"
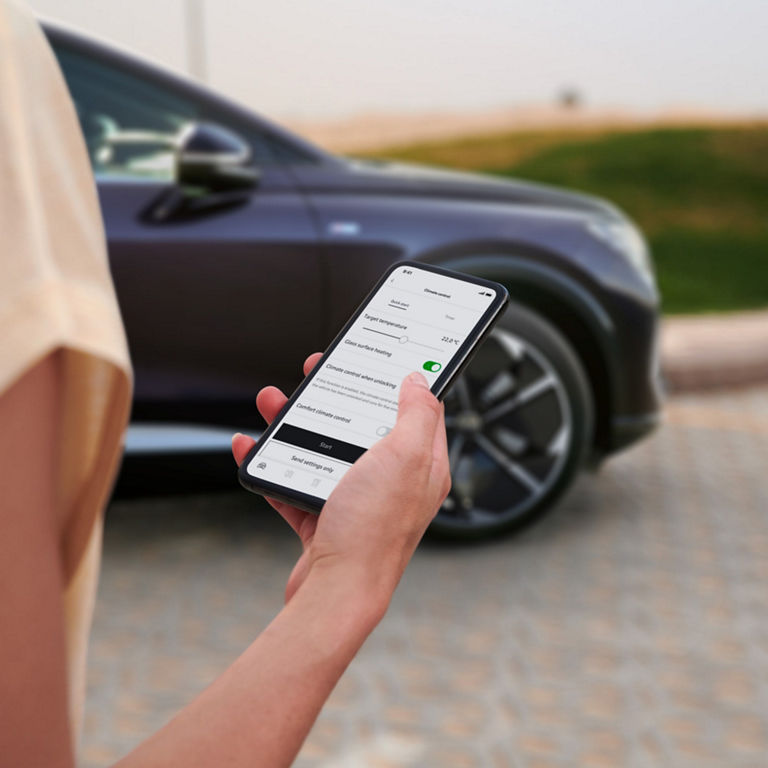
{"x": 375, "y": 517}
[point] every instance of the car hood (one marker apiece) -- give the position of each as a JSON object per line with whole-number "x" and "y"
{"x": 382, "y": 177}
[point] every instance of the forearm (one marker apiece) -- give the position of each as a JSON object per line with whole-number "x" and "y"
{"x": 260, "y": 710}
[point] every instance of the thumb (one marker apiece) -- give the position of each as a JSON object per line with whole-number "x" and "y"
{"x": 418, "y": 413}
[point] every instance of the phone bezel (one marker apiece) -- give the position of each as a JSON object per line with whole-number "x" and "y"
{"x": 483, "y": 326}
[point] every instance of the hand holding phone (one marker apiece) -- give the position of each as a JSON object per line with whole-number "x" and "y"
{"x": 375, "y": 518}
{"x": 417, "y": 318}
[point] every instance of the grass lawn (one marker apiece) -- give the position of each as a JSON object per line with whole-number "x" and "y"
{"x": 699, "y": 194}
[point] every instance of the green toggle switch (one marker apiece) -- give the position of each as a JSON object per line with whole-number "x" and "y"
{"x": 432, "y": 366}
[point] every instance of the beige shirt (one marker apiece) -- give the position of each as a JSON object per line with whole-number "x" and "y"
{"x": 56, "y": 293}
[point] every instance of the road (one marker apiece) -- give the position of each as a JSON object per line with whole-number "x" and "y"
{"x": 629, "y": 628}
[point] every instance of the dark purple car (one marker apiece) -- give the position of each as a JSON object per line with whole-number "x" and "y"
{"x": 237, "y": 248}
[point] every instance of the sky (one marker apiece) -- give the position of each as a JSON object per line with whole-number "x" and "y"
{"x": 325, "y": 59}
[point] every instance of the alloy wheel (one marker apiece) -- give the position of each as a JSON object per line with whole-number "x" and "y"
{"x": 510, "y": 426}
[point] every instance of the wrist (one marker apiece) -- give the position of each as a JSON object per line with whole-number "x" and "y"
{"x": 349, "y": 590}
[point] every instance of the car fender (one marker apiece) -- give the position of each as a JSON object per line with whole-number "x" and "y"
{"x": 565, "y": 302}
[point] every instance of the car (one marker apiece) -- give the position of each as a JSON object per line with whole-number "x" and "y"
{"x": 237, "y": 248}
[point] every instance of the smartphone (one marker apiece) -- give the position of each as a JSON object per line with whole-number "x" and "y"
{"x": 416, "y": 318}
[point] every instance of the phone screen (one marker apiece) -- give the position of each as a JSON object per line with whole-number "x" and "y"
{"x": 417, "y": 320}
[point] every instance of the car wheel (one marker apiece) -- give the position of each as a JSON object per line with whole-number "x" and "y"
{"x": 519, "y": 422}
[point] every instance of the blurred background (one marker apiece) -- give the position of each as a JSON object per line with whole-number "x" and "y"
{"x": 661, "y": 109}
{"x": 629, "y": 626}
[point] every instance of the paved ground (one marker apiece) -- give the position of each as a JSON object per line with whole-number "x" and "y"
{"x": 628, "y": 629}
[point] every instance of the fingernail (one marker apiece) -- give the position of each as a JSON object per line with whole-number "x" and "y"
{"x": 237, "y": 434}
{"x": 419, "y": 379}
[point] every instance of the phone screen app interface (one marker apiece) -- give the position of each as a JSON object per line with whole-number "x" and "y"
{"x": 416, "y": 321}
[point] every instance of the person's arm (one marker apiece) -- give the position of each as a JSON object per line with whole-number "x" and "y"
{"x": 261, "y": 709}
{"x": 34, "y": 727}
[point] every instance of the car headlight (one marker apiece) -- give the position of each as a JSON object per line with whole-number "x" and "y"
{"x": 625, "y": 238}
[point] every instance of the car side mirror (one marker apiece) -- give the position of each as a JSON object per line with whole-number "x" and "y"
{"x": 214, "y": 159}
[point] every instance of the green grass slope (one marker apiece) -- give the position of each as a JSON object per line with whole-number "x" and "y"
{"x": 699, "y": 194}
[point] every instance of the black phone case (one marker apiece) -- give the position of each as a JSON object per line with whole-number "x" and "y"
{"x": 464, "y": 354}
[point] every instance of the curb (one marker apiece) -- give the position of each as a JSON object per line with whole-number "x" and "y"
{"x": 712, "y": 352}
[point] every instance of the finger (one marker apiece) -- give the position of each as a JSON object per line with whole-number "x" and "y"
{"x": 311, "y": 362}
{"x": 418, "y": 414}
{"x": 440, "y": 472}
{"x": 440, "y": 442}
{"x": 269, "y": 401}
{"x": 241, "y": 444}
{"x": 294, "y": 517}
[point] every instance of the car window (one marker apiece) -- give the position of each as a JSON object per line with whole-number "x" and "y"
{"x": 290, "y": 154}
{"x": 130, "y": 125}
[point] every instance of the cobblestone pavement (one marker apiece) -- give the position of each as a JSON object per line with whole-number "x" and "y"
{"x": 629, "y": 628}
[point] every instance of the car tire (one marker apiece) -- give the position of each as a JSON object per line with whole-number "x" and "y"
{"x": 520, "y": 421}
